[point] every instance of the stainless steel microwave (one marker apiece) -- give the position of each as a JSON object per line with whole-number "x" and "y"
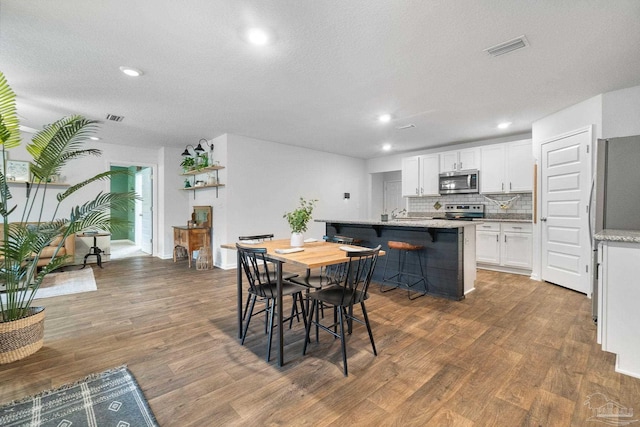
{"x": 459, "y": 182}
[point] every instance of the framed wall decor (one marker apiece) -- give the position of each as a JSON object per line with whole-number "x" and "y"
{"x": 18, "y": 170}
{"x": 202, "y": 215}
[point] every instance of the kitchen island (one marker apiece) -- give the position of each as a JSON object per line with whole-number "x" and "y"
{"x": 449, "y": 252}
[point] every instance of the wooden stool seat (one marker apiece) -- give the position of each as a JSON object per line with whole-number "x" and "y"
{"x": 404, "y": 246}
{"x": 400, "y": 276}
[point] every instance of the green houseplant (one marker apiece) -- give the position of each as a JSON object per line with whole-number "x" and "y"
{"x": 26, "y": 231}
{"x": 298, "y": 220}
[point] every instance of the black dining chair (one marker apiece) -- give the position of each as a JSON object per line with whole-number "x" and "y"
{"x": 351, "y": 291}
{"x": 263, "y": 287}
{"x": 257, "y": 239}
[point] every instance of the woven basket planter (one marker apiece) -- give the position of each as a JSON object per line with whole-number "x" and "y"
{"x": 23, "y": 337}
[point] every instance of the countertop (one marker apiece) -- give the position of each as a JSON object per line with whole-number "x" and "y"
{"x": 608, "y": 235}
{"x": 406, "y": 222}
{"x": 504, "y": 220}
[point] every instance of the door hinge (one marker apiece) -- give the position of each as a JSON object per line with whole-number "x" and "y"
{"x": 586, "y": 267}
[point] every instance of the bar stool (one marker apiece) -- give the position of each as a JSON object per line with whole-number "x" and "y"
{"x": 400, "y": 276}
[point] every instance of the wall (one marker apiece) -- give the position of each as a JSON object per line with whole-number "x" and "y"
{"x": 266, "y": 179}
{"x": 621, "y": 113}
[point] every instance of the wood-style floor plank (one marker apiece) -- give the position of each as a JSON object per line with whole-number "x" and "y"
{"x": 514, "y": 352}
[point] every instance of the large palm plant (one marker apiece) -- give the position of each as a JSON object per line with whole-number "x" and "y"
{"x": 29, "y": 232}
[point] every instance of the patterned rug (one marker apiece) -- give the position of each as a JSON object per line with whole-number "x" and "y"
{"x": 110, "y": 398}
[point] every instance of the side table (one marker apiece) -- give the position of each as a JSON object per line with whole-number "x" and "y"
{"x": 190, "y": 238}
{"x": 94, "y": 250}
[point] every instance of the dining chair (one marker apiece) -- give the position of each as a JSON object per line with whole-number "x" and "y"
{"x": 351, "y": 291}
{"x": 263, "y": 287}
{"x": 257, "y": 239}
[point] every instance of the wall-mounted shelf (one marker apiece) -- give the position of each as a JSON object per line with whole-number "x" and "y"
{"x": 53, "y": 184}
{"x": 203, "y": 171}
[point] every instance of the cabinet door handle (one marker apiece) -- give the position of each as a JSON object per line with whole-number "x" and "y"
{"x": 421, "y": 190}
{"x": 453, "y": 166}
{"x": 516, "y": 228}
{"x": 417, "y": 190}
{"x": 497, "y": 239}
{"x": 503, "y": 186}
{"x": 543, "y": 219}
{"x": 505, "y": 238}
{"x": 509, "y": 186}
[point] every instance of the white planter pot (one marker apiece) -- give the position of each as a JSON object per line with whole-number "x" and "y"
{"x": 297, "y": 240}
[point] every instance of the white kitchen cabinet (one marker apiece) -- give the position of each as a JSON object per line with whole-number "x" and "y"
{"x": 504, "y": 246}
{"x": 488, "y": 243}
{"x": 420, "y": 175}
{"x": 460, "y": 160}
{"x": 618, "y": 296}
{"x": 506, "y": 168}
{"x": 411, "y": 176}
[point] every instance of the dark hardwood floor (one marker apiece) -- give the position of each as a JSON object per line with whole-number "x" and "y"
{"x": 514, "y": 353}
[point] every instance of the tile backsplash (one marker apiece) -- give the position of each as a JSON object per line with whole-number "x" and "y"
{"x": 522, "y": 205}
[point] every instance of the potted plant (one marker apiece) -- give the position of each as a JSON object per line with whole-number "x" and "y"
{"x": 188, "y": 163}
{"x": 21, "y": 325}
{"x": 298, "y": 220}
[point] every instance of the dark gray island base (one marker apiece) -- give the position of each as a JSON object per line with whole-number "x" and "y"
{"x": 448, "y": 254}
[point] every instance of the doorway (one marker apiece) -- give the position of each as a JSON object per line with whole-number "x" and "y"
{"x": 137, "y": 239}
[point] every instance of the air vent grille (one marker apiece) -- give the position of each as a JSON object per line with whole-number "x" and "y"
{"x": 115, "y": 118}
{"x": 508, "y": 46}
{"x": 409, "y": 126}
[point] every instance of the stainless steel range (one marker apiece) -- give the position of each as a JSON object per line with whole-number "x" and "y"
{"x": 462, "y": 212}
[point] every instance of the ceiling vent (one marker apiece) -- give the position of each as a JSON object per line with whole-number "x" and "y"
{"x": 409, "y": 126}
{"x": 508, "y": 46}
{"x": 115, "y": 118}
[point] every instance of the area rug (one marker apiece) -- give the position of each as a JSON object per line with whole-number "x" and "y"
{"x": 110, "y": 398}
{"x": 67, "y": 282}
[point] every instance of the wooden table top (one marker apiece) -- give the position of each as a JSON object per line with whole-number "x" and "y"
{"x": 314, "y": 255}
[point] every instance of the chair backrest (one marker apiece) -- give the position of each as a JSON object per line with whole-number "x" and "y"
{"x": 256, "y": 237}
{"x": 344, "y": 240}
{"x": 256, "y": 270}
{"x": 357, "y": 274}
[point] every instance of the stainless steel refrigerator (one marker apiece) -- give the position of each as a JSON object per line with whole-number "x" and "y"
{"x": 615, "y": 198}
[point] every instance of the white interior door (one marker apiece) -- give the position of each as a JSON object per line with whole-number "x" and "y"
{"x": 565, "y": 180}
{"x": 393, "y": 196}
{"x": 144, "y": 187}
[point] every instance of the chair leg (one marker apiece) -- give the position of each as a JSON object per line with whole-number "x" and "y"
{"x": 342, "y": 340}
{"x": 252, "y": 298}
{"x": 246, "y": 307}
{"x": 384, "y": 275}
{"x": 271, "y": 313}
{"x": 366, "y": 322}
{"x": 312, "y": 309}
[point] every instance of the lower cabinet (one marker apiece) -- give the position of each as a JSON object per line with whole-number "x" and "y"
{"x": 618, "y": 296}
{"x": 504, "y": 246}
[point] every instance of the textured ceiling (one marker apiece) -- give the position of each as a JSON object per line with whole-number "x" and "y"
{"x": 331, "y": 68}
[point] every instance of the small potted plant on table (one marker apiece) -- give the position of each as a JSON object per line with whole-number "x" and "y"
{"x": 298, "y": 220}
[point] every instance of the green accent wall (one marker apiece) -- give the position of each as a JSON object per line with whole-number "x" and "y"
{"x": 122, "y": 184}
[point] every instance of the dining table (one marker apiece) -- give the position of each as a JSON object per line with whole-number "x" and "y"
{"x": 314, "y": 254}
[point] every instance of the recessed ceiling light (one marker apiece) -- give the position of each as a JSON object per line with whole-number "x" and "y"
{"x": 504, "y": 125}
{"x": 257, "y": 36}
{"x": 131, "y": 72}
{"x": 386, "y": 147}
{"x": 384, "y": 118}
{"x": 94, "y": 138}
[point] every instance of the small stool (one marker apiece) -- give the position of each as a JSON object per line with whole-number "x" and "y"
{"x": 400, "y": 276}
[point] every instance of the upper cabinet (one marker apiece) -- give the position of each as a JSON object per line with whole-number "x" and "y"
{"x": 507, "y": 168}
{"x": 420, "y": 175}
{"x": 460, "y": 160}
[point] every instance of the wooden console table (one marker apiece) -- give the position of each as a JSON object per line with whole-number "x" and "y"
{"x": 190, "y": 238}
